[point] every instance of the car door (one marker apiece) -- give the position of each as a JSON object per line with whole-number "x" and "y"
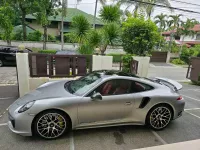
{"x": 114, "y": 107}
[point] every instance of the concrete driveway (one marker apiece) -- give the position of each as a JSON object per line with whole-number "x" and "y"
{"x": 183, "y": 129}
{"x": 8, "y": 76}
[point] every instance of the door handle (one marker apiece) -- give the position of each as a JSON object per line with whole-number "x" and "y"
{"x": 128, "y": 103}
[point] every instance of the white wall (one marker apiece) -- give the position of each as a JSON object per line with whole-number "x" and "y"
{"x": 143, "y": 65}
{"x": 188, "y": 38}
{"x": 102, "y": 62}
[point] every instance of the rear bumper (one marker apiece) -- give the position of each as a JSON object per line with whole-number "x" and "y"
{"x": 179, "y": 108}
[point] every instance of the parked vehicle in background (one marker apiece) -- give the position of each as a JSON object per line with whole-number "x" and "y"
{"x": 8, "y": 55}
{"x": 68, "y": 52}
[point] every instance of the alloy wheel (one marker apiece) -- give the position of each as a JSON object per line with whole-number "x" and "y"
{"x": 160, "y": 117}
{"x": 51, "y": 125}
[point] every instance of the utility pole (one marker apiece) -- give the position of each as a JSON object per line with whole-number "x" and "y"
{"x": 95, "y": 14}
{"x": 64, "y": 14}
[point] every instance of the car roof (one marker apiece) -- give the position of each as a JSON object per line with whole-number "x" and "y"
{"x": 114, "y": 74}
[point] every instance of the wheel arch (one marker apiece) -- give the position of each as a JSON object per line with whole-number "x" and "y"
{"x": 167, "y": 104}
{"x": 51, "y": 109}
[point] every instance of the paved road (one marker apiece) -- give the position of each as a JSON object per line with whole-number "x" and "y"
{"x": 8, "y": 75}
{"x": 112, "y": 138}
{"x": 171, "y": 72}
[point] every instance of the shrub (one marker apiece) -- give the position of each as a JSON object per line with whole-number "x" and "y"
{"x": 86, "y": 49}
{"x": 116, "y": 57}
{"x": 18, "y": 35}
{"x": 126, "y": 59}
{"x": 178, "y": 61}
{"x": 139, "y": 35}
{"x": 51, "y": 38}
{"x": 34, "y": 36}
{"x": 47, "y": 51}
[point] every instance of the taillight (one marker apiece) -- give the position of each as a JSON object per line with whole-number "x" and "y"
{"x": 179, "y": 98}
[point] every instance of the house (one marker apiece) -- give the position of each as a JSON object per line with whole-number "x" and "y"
{"x": 54, "y": 28}
{"x": 188, "y": 40}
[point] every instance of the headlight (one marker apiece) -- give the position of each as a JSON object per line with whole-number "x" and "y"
{"x": 26, "y": 107}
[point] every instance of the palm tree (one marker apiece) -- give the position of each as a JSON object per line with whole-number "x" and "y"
{"x": 148, "y": 8}
{"x": 161, "y": 20}
{"x": 80, "y": 26}
{"x": 110, "y": 13}
{"x": 186, "y": 30}
{"x": 174, "y": 21}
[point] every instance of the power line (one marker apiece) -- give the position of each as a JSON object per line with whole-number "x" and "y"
{"x": 158, "y": 5}
{"x": 185, "y": 2}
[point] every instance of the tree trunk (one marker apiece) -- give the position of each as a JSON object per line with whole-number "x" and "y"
{"x": 182, "y": 45}
{"x": 24, "y": 25}
{"x": 9, "y": 42}
{"x": 45, "y": 38}
{"x": 62, "y": 34}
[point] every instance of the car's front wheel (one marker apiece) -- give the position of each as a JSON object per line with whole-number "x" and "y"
{"x": 51, "y": 124}
{"x": 159, "y": 117}
{"x": 1, "y": 63}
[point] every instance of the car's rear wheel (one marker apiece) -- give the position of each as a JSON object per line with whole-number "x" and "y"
{"x": 51, "y": 124}
{"x": 159, "y": 117}
{"x": 1, "y": 63}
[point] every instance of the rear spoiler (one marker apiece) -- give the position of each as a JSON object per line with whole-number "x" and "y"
{"x": 168, "y": 82}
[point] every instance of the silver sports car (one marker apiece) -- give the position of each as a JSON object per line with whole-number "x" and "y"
{"x": 101, "y": 98}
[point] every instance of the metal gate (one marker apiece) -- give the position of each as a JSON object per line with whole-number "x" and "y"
{"x": 159, "y": 57}
{"x": 134, "y": 66}
{"x": 193, "y": 72}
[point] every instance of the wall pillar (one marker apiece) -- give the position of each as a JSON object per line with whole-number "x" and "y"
{"x": 143, "y": 65}
{"x": 23, "y": 73}
{"x": 102, "y": 62}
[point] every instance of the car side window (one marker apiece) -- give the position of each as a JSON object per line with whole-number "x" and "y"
{"x": 113, "y": 87}
{"x": 139, "y": 87}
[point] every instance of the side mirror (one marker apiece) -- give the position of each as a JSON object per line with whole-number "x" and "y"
{"x": 96, "y": 96}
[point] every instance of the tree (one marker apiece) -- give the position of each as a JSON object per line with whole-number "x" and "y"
{"x": 161, "y": 20}
{"x": 174, "y": 21}
{"x": 64, "y": 14}
{"x": 147, "y": 8}
{"x": 186, "y": 30}
{"x": 110, "y": 13}
{"x": 80, "y": 26}
{"x": 43, "y": 10}
{"x": 6, "y": 17}
{"x": 139, "y": 36}
{"x": 150, "y": 8}
{"x": 25, "y": 7}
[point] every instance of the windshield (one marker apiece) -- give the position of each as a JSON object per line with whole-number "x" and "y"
{"x": 82, "y": 85}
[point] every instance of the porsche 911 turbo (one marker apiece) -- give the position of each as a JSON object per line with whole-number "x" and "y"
{"x": 99, "y": 99}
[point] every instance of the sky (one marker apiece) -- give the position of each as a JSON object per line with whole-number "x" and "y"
{"x": 89, "y": 7}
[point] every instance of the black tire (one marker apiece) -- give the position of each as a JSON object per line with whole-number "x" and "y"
{"x": 37, "y": 130}
{"x": 160, "y": 121}
{"x": 1, "y": 63}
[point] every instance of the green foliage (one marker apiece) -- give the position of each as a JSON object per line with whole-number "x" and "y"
{"x": 126, "y": 60}
{"x": 189, "y": 52}
{"x": 174, "y": 48}
{"x": 139, "y": 36}
{"x": 80, "y": 27}
{"x": 94, "y": 37}
{"x": 178, "y": 61}
{"x": 110, "y": 13}
{"x": 70, "y": 38}
{"x": 35, "y": 36}
{"x": 48, "y": 51}
{"x": 18, "y": 35}
{"x": 51, "y": 38}
{"x": 86, "y": 49}
{"x": 116, "y": 57}
{"x": 161, "y": 20}
{"x": 6, "y": 17}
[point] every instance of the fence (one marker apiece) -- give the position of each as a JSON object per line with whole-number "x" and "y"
{"x": 193, "y": 72}
{"x": 159, "y": 57}
{"x": 47, "y": 65}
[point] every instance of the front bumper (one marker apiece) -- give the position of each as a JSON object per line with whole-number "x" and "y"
{"x": 20, "y": 123}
